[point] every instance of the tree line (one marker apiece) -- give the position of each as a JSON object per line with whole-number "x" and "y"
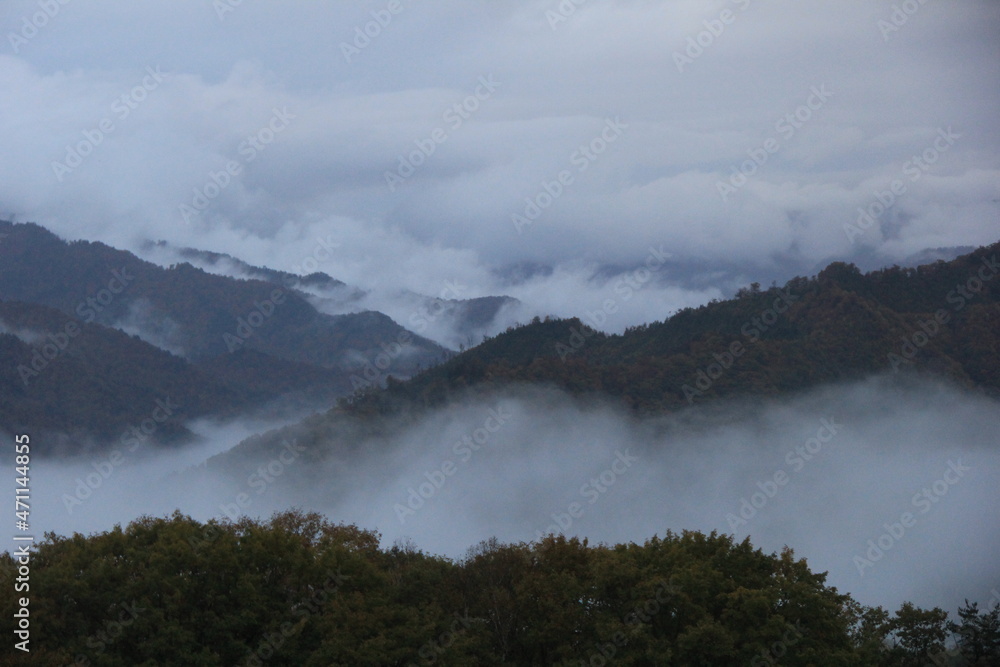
{"x": 300, "y": 590}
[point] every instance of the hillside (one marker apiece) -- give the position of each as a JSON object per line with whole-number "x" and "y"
{"x": 459, "y": 322}
{"x": 940, "y": 319}
{"x": 78, "y": 385}
{"x": 301, "y": 590}
{"x": 91, "y": 337}
{"x": 196, "y": 314}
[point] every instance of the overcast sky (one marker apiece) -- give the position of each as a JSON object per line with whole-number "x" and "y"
{"x": 625, "y": 122}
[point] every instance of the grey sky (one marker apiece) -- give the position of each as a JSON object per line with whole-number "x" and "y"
{"x": 697, "y": 88}
{"x": 257, "y": 132}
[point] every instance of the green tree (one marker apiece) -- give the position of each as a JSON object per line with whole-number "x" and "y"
{"x": 916, "y": 635}
{"x": 978, "y": 634}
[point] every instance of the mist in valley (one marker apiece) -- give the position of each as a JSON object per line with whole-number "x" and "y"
{"x": 420, "y": 291}
{"x": 890, "y": 485}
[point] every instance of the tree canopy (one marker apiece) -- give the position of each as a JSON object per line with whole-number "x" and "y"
{"x": 301, "y": 590}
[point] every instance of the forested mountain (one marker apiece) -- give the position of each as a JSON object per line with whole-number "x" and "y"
{"x": 299, "y": 590}
{"x": 185, "y": 309}
{"x": 228, "y": 263}
{"x": 942, "y": 318}
{"x": 91, "y": 337}
{"x": 77, "y": 385}
{"x": 464, "y": 319}
{"x": 92, "y": 381}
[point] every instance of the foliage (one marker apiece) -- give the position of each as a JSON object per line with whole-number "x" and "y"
{"x": 300, "y": 590}
{"x": 840, "y": 325}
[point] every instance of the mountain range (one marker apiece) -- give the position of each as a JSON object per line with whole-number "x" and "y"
{"x": 98, "y": 346}
{"x": 902, "y": 324}
{"x": 92, "y": 336}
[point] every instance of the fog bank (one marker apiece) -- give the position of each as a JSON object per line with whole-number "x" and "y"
{"x": 891, "y": 487}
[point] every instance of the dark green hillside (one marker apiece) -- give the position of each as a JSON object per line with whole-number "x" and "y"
{"x": 834, "y": 327}
{"x": 300, "y": 591}
{"x": 204, "y": 314}
{"x": 74, "y": 384}
{"x": 943, "y": 318}
{"x": 78, "y": 383}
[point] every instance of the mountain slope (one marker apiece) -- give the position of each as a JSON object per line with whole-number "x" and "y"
{"x": 452, "y": 322}
{"x": 77, "y": 385}
{"x": 840, "y": 325}
{"x": 194, "y": 313}
{"x": 70, "y": 384}
{"x": 91, "y": 337}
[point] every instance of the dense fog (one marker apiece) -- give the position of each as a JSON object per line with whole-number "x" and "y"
{"x": 911, "y": 466}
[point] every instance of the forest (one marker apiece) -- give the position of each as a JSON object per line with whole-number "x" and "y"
{"x": 300, "y": 590}
{"x": 937, "y": 319}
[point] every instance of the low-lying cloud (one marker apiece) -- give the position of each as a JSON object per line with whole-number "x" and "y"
{"x": 278, "y": 146}
{"x": 889, "y": 486}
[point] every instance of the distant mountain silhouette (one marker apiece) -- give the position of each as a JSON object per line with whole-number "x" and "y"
{"x": 215, "y": 344}
{"x": 464, "y": 319}
{"x": 941, "y": 319}
{"x": 196, "y": 313}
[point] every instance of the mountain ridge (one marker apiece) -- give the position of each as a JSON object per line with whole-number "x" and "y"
{"x": 841, "y": 325}
{"x": 88, "y": 332}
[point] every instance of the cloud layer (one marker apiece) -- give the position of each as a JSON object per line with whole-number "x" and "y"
{"x": 746, "y": 135}
{"x": 890, "y": 488}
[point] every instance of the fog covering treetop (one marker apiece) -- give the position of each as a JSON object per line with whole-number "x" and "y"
{"x": 938, "y": 319}
{"x": 301, "y": 590}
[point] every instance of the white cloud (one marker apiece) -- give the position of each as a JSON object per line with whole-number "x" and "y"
{"x": 324, "y": 174}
